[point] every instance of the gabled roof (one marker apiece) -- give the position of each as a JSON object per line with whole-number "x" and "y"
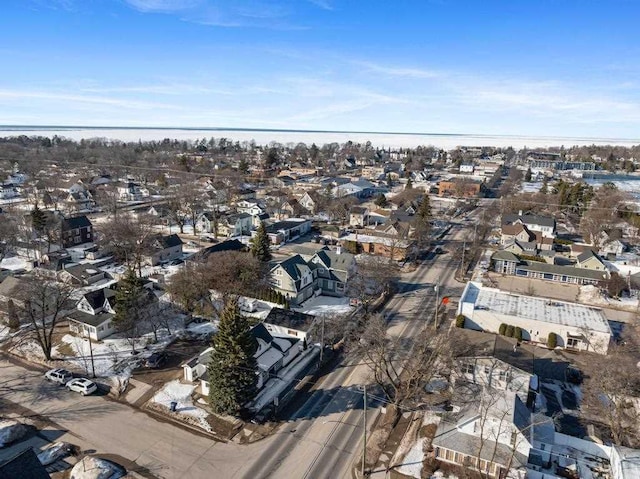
{"x": 333, "y": 260}
{"x": 75, "y": 222}
{"x": 293, "y": 266}
{"x": 288, "y": 318}
{"x": 97, "y": 298}
{"x": 94, "y": 320}
{"x": 229, "y": 245}
{"x": 587, "y": 255}
{"x": 83, "y": 271}
{"x": 168, "y": 241}
{"x": 529, "y": 219}
{"x": 505, "y": 256}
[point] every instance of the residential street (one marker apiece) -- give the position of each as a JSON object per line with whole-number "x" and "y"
{"x": 323, "y": 439}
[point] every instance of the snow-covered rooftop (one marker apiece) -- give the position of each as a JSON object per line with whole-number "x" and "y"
{"x": 537, "y": 309}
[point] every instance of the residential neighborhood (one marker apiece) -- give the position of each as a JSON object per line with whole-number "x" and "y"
{"x": 252, "y": 311}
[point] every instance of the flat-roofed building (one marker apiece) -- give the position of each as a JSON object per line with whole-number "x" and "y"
{"x": 577, "y": 327}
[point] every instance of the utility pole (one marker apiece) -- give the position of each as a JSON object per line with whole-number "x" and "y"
{"x": 437, "y": 290}
{"x": 364, "y": 430}
{"x": 322, "y": 341}
{"x": 464, "y": 247}
{"x": 93, "y": 366}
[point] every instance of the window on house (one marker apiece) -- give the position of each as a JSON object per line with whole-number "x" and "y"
{"x": 502, "y": 375}
{"x": 278, "y": 272}
{"x": 468, "y": 368}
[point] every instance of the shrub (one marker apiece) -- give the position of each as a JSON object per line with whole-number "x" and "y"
{"x": 460, "y": 321}
{"x": 552, "y": 340}
{"x": 509, "y": 331}
{"x": 517, "y": 333}
{"x": 502, "y": 330}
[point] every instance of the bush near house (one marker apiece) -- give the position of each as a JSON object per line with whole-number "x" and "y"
{"x": 529, "y": 257}
{"x": 503, "y": 329}
{"x": 517, "y": 333}
{"x": 460, "y": 321}
{"x": 509, "y": 331}
{"x": 552, "y": 340}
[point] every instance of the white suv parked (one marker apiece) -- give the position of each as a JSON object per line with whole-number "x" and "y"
{"x": 60, "y": 376}
{"x": 83, "y": 386}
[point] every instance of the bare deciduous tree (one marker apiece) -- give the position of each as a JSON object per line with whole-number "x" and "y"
{"x": 43, "y": 304}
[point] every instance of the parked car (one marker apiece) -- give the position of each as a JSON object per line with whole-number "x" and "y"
{"x": 83, "y": 386}
{"x": 176, "y": 262}
{"x": 58, "y": 375}
{"x": 156, "y": 360}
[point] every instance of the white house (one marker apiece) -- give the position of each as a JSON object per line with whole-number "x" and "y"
{"x": 577, "y": 327}
{"x": 272, "y": 354}
{"x": 93, "y": 317}
{"x": 543, "y": 224}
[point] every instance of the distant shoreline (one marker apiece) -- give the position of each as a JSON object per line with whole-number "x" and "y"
{"x": 267, "y": 135}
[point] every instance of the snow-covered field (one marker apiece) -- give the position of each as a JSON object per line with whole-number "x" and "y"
{"x": 16, "y": 263}
{"x": 412, "y": 463}
{"x": 174, "y": 391}
{"x": 325, "y": 305}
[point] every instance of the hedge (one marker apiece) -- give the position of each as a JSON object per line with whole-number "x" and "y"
{"x": 552, "y": 340}
{"x": 502, "y": 330}
{"x": 517, "y": 333}
{"x": 460, "y": 321}
{"x": 509, "y": 332}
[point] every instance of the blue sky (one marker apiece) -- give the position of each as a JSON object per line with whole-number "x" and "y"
{"x": 543, "y": 67}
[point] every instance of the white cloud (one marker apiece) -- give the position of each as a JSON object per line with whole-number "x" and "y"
{"x": 62, "y": 97}
{"x": 164, "y": 6}
{"x": 397, "y": 71}
{"x": 323, "y": 4}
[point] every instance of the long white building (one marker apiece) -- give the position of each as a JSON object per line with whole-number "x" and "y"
{"x": 577, "y": 327}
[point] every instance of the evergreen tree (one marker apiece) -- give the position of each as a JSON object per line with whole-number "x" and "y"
{"x": 424, "y": 211}
{"x": 232, "y": 369}
{"x": 409, "y": 184}
{"x": 261, "y": 246}
{"x": 38, "y": 220}
{"x": 545, "y": 186}
{"x": 528, "y": 175}
{"x": 381, "y": 201}
{"x": 131, "y": 302}
{"x": 389, "y": 180}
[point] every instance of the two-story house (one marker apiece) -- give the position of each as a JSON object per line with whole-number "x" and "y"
{"x": 294, "y": 278}
{"x": 163, "y": 248}
{"x": 534, "y": 223}
{"x": 236, "y": 224}
{"x": 76, "y": 231}
{"x": 93, "y": 317}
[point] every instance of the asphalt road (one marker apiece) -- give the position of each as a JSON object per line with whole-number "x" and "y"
{"x": 322, "y": 439}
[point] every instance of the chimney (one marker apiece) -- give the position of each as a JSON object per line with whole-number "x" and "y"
{"x": 338, "y": 249}
{"x": 519, "y": 212}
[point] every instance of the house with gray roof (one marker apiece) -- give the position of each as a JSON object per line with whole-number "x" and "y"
{"x": 492, "y": 435}
{"x": 163, "y": 248}
{"x": 325, "y": 272}
{"x": 543, "y": 224}
{"x": 94, "y": 313}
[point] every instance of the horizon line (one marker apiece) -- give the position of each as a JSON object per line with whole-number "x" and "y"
{"x": 288, "y": 130}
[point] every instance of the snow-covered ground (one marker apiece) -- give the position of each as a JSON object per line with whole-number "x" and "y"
{"x": 325, "y": 305}
{"x": 590, "y": 294}
{"x": 412, "y": 463}
{"x": 174, "y": 391}
{"x": 16, "y": 263}
{"x": 96, "y": 468}
{"x": 113, "y": 355}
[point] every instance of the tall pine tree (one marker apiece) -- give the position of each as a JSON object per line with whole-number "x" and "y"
{"x": 232, "y": 369}
{"x": 261, "y": 246}
{"x": 38, "y": 220}
{"x": 131, "y": 301}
